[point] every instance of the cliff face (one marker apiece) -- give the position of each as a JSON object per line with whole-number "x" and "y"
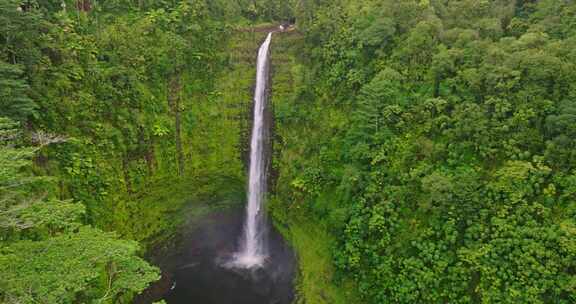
{"x": 178, "y": 157}
{"x": 214, "y": 139}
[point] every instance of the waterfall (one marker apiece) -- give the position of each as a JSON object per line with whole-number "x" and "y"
{"x": 253, "y": 251}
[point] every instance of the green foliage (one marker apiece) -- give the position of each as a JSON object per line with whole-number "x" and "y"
{"x": 48, "y": 255}
{"x": 124, "y": 110}
{"x": 14, "y": 100}
{"x": 87, "y": 265}
{"x": 316, "y": 278}
{"x": 20, "y": 32}
{"x": 425, "y": 150}
{"x": 12, "y": 159}
{"x": 438, "y": 148}
{"x": 264, "y": 10}
{"x": 105, "y": 80}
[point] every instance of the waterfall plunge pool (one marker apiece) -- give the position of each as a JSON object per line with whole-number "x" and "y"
{"x": 195, "y": 272}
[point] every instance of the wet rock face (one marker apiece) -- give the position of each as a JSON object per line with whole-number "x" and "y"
{"x": 199, "y": 273}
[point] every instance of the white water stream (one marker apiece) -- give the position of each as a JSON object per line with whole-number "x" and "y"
{"x": 253, "y": 246}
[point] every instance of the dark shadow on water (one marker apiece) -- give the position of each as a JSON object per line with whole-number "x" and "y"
{"x": 196, "y": 272}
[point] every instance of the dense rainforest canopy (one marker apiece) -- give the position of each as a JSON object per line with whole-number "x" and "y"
{"x": 424, "y": 150}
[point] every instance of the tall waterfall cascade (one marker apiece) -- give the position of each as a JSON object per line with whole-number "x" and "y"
{"x": 253, "y": 250}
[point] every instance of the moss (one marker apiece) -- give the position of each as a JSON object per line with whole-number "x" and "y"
{"x": 218, "y": 129}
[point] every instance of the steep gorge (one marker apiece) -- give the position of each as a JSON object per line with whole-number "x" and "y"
{"x": 202, "y": 264}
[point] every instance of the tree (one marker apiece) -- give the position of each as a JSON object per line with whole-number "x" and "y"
{"x": 19, "y": 32}
{"x": 14, "y": 99}
{"x": 86, "y": 265}
{"x": 47, "y": 254}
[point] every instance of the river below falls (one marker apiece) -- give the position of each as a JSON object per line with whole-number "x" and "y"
{"x": 195, "y": 272}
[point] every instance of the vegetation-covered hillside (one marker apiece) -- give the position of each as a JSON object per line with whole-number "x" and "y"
{"x": 435, "y": 142}
{"x": 424, "y": 150}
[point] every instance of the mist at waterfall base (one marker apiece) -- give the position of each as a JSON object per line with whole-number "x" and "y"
{"x": 231, "y": 258}
{"x": 201, "y": 276}
{"x": 253, "y": 251}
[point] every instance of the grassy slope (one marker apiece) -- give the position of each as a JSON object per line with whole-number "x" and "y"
{"x": 316, "y": 278}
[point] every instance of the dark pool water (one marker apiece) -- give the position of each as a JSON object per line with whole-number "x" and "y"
{"x": 196, "y": 272}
